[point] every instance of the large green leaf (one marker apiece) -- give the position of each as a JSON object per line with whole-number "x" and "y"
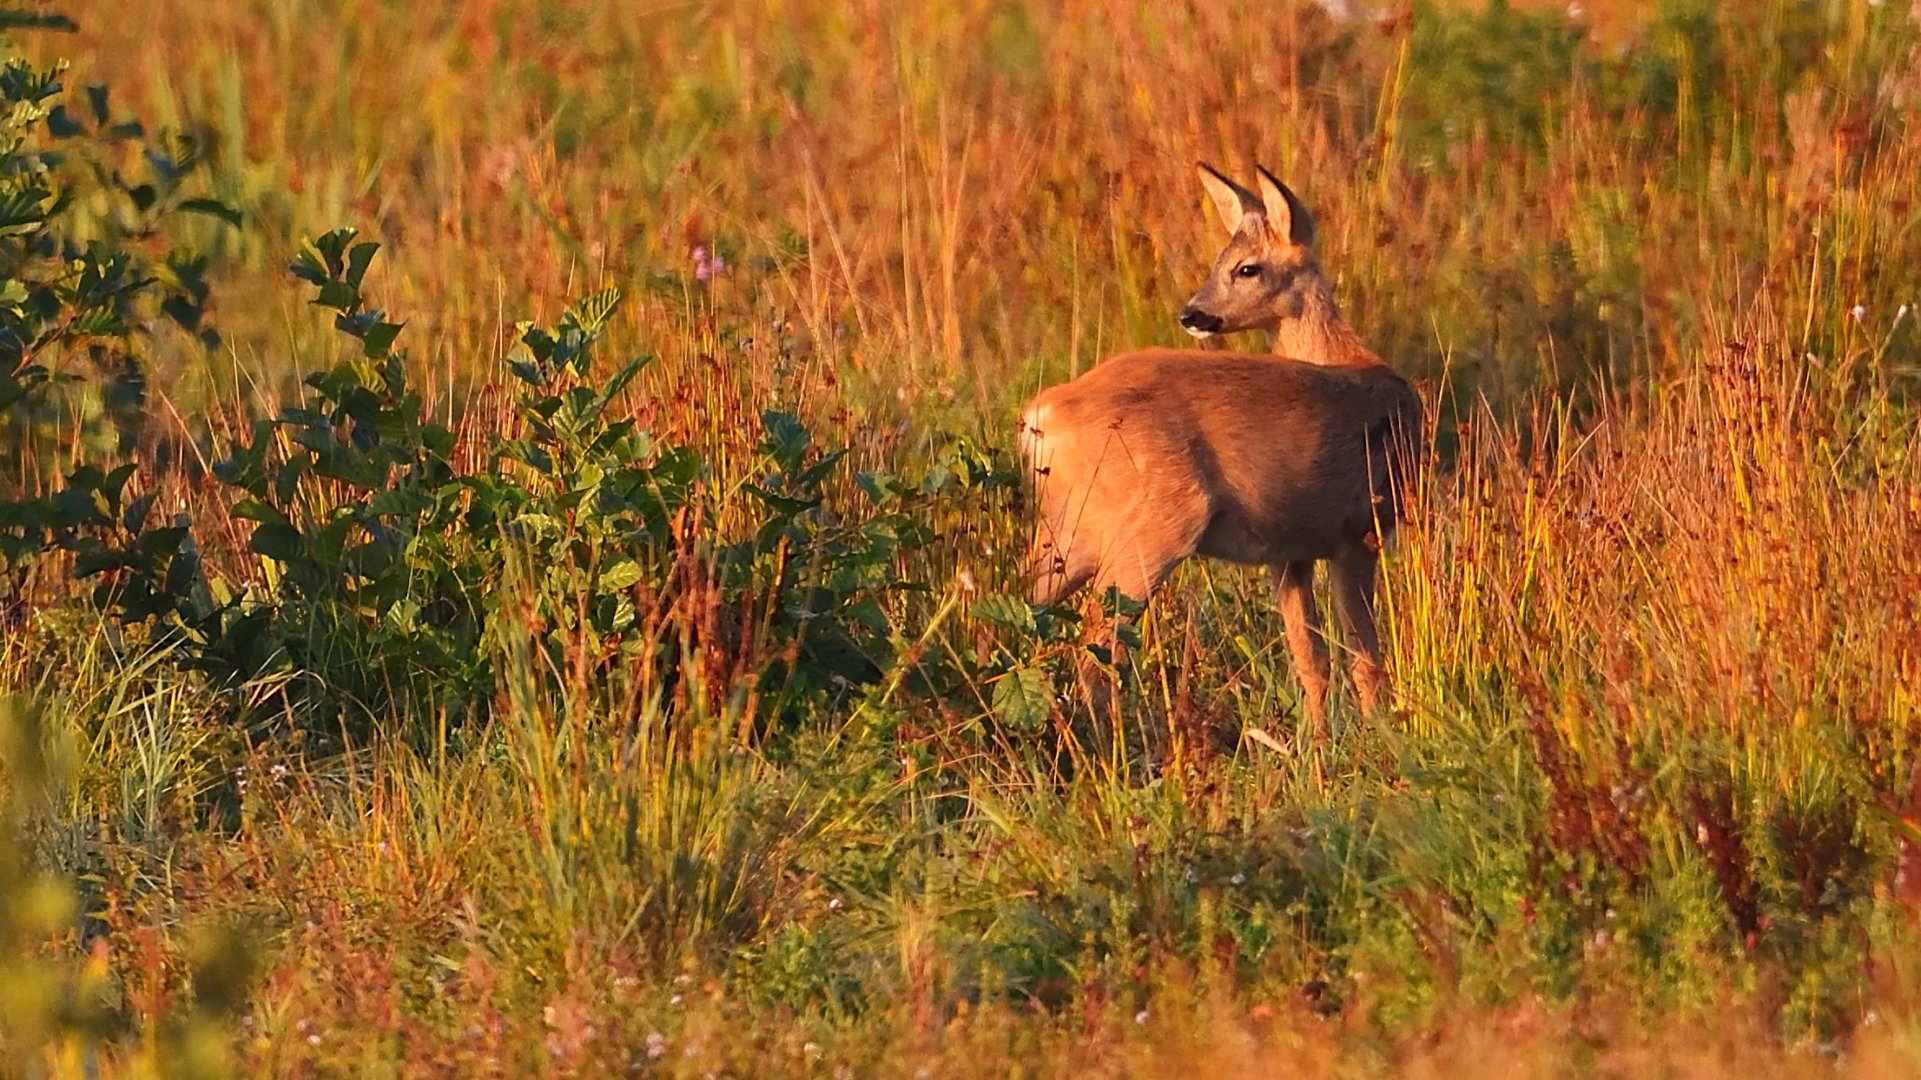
{"x": 621, "y": 573}
{"x": 1022, "y": 698}
{"x": 1008, "y": 611}
{"x": 276, "y": 540}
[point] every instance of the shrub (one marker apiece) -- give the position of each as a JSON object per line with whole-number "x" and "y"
{"x": 87, "y": 276}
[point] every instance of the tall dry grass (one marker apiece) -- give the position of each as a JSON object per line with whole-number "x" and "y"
{"x": 1648, "y": 802}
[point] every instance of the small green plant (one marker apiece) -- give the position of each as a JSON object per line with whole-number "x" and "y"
{"x": 79, "y": 291}
{"x": 352, "y": 496}
{"x": 62, "y": 1008}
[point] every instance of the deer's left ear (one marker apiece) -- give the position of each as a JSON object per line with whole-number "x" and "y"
{"x": 1287, "y": 216}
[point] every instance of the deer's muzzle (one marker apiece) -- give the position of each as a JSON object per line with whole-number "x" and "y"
{"x": 1200, "y": 323}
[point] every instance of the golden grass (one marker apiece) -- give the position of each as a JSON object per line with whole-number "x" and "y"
{"x": 1648, "y": 804}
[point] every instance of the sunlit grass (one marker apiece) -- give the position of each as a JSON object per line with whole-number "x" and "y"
{"x": 1647, "y": 802}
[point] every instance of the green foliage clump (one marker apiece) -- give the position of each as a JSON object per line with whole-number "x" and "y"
{"x": 79, "y": 293}
{"x": 390, "y": 558}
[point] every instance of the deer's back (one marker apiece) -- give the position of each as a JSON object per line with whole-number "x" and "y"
{"x": 1290, "y": 456}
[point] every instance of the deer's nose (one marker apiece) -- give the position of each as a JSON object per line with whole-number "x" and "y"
{"x": 1200, "y": 322}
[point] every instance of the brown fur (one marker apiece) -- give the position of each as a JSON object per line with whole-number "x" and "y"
{"x": 1277, "y": 460}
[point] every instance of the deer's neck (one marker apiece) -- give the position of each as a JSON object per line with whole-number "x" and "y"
{"x": 1319, "y": 335}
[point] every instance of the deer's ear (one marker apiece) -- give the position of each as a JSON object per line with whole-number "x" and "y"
{"x": 1287, "y": 217}
{"x": 1232, "y": 202}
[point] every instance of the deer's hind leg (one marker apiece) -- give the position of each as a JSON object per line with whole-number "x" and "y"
{"x": 1159, "y": 536}
{"x": 1054, "y": 571}
{"x": 1294, "y": 582}
{"x": 1353, "y": 573}
{"x": 1065, "y": 550}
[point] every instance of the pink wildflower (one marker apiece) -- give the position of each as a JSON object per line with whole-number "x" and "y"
{"x": 707, "y": 265}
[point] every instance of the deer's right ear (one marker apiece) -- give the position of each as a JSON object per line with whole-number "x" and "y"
{"x": 1232, "y": 202}
{"x": 1286, "y": 216}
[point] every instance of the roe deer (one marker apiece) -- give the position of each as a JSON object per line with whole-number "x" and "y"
{"x": 1279, "y": 459}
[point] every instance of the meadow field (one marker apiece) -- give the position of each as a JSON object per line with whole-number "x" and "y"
{"x": 510, "y": 540}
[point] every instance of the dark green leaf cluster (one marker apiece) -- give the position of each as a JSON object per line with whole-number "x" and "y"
{"x": 79, "y": 296}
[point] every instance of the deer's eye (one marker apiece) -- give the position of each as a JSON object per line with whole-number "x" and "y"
{"x": 1248, "y": 270}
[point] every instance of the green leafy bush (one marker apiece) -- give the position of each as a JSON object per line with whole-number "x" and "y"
{"x": 383, "y": 563}
{"x": 388, "y": 563}
{"x": 81, "y": 291}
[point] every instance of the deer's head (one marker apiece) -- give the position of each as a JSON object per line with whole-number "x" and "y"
{"x": 1267, "y": 274}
